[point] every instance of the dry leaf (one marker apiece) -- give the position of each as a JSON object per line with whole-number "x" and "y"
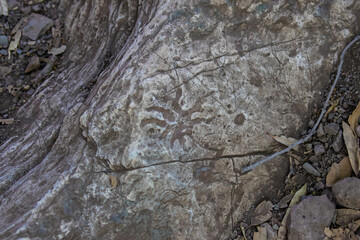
{"x": 333, "y": 106}
{"x": 354, "y": 118}
{"x": 287, "y": 141}
{"x": 353, "y": 226}
{"x": 4, "y": 8}
{"x": 7, "y": 121}
{"x": 352, "y": 147}
{"x": 338, "y": 171}
{"x": 262, "y": 213}
{"x": 57, "y": 51}
{"x": 113, "y": 181}
{"x": 14, "y": 44}
{"x": 295, "y": 200}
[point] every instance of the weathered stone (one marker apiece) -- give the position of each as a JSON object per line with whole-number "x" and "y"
{"x": 310, "y": 169}
{"x": 319, "y": 149}
{"x": 332, "y": 128}
{"x": 320, "y": 130}
{"x": 183, "y": 92}
{"x": 338, "y": 143}
{"x": 308, "y": 219}
{"x": 347, "y": 192}
{"x": 4, "y": 41}
{"x": 4, "y": 71}
{"x": 36, "y": 26}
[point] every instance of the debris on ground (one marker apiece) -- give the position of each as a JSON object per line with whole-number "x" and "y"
{"x": 322, "y": 191}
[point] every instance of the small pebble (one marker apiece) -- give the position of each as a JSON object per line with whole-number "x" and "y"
{"x": 3, "y": 52}
{"x": 18, "y": 83}
{"x": 320, "y": 131}
{"x": 308, "y": 147}
{"x": 341, "y": 110}
{"x": 319, "y": 149}
{"x": 30, "y": 92}
{"x": 313, "y": 158}
{"x": 26, "y": 87}
{"x": 4, "y": 42}
{"x": 330, "y": 116}
{"x": 338, "y": 143}
{"x": 275, "y": 227}
{"x": 310, "y": 169}
{"x": 332, "y": 128}
{"x": 345, "y": 105}
{"x": 311, "y": 123}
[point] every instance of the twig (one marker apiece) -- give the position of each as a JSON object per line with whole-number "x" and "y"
{"x": 307, "y": 137}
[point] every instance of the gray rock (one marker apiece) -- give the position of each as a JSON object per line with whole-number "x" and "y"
{"x": 4, "y": 71}
{"x": 338, "y": 142}
{"x": 161, "y": 117}
{"x": 320, "y": 131}
{"x": 319, "y": 149}
{"x": 4, "y": 41}
{"x": 347, "y": 192}
{"x": 4, "y": 52}
{"x": 311, "y": 123}
{"x": 308, "y": 147}
{"x": 308, "y": 219}
{"x": 332, "y": 128}
{"x": 13, "y": 4}
{"x": 310, "y": 169}
{"x": 36, "y": 26}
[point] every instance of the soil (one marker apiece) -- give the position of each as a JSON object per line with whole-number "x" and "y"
{"x": 22, "y": 70}
{"x": 347, "y": 93}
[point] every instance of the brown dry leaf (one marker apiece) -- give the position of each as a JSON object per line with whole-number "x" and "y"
{"x": 352, "y": 146}
{"x": 295, "y": 200}
{"x": 354, "y": 118}
{"x": 262, "y": 213}
{"x": 338, "y": 171}
{"x": 14, "y": 44}
{"x": 7, "y": 121}
{"x": 113, "y": 181}
{"x": 333, "y": 106}
{"x": 287, "y": 141}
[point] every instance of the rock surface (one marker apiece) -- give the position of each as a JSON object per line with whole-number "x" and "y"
{"x": 308, "y": 219}
{"x": 36, "y": 26}
{"x": 182, "y": 93}
{"x": 347, "y": 192}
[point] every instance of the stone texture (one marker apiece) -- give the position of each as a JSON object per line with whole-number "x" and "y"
{"x": 308, "y": 219}
{"x": 310, "y": 169}
{"x": 347, "y": 192}
{"x": 36, "y": 26}
{"x": 332, "y": 128}
{"x": 338, "y": 142}
{"x": 184, "y": 92}
{"x": 319, "y": 149}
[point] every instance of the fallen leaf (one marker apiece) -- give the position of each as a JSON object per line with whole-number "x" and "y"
{"x": 346, "y": 216}
{"x": 262, "y": 213}
{"x": 4, "y": 8}
{"x": 333, "y": 106}
{"x": 287, "y": 141}
{"x": 7, "y": 121}
{"x": 14, "y": 44}
{"x": 338, "y": 171}
{"x": 351, "y": 142}
{"x": 113, "y": 181}
{"x": 295, "y": 200}
{"x": 57, "y": 51}
{"x": 354, "y": 118}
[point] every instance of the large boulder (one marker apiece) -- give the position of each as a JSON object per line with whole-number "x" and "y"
{"x": 143, "y": 129}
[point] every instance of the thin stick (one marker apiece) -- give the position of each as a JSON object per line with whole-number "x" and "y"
{"x": 307, "y": 137}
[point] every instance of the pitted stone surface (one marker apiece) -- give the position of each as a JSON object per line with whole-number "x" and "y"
{"x": 186, "y": 101}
